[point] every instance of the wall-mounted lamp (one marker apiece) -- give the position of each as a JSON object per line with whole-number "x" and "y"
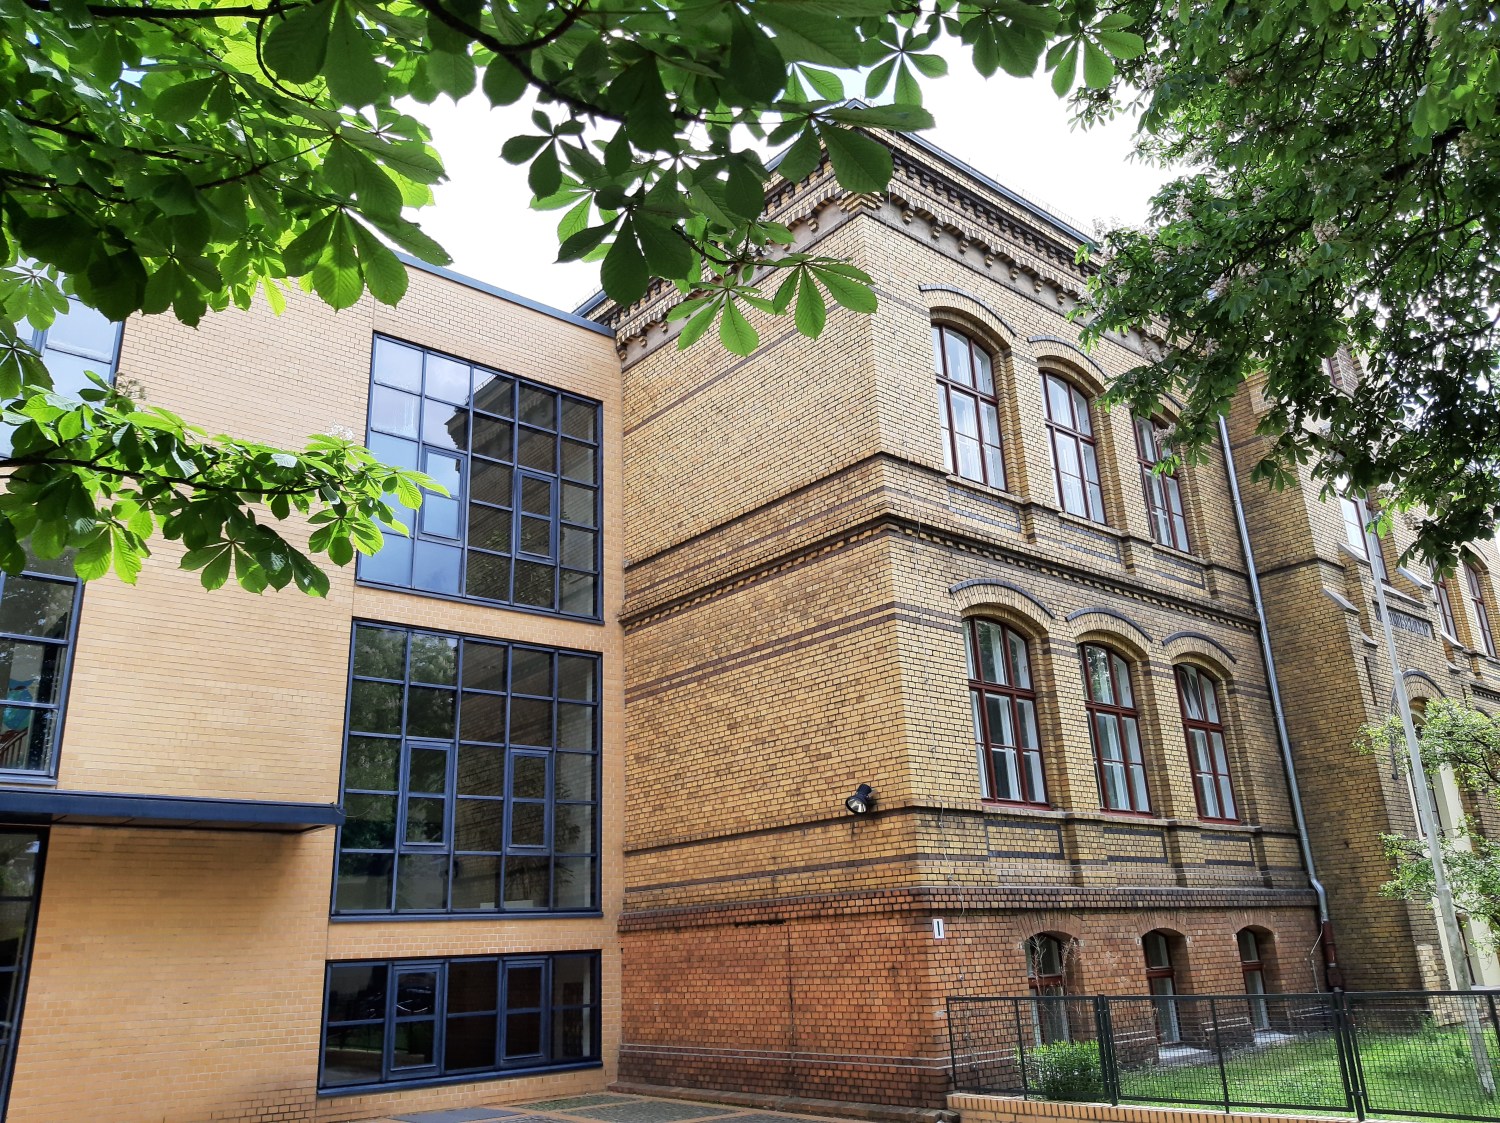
{"x": 861, "y": 801}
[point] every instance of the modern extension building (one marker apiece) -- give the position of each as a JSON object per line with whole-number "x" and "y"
{"x": 195, "y": 935}
{"x": 552, "y": 794}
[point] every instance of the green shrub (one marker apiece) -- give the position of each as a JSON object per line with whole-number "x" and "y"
{"x": 1066, "y": 1070}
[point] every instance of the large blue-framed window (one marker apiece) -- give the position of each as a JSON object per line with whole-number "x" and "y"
{"x": 39, "y": 607}
{"x": 521, "y": 464}
{"x": 471, "y": 777}
{"x": 38, "y": 626}
{"x": 21, "y": 858}
{"x": 80, "y": 339}
{"x": 404, "y": 1020}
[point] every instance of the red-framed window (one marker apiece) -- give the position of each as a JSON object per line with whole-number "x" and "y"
{"x": 1075, "y": 459}
{"x": 1207, "y": 750}
{"x": 1253, "y": 968}
{"x": 1481, "y": 612}
{"x": 1445, "y": 606}
{"x": 1161, "y": 983}
{"x": 1114, "y": 726}
{"x": 1004, "y": 705}
{"x": 1163, "y": 491}
{"x": 1046, "y": 965}
{"x": 967, "y": 407}
{"x": 1361, "y": 538}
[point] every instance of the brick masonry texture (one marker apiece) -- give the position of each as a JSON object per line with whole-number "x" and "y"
{"x": 794, "y": 627}
{"x": 178, "y": 975}
{"x": 788, "y": 570}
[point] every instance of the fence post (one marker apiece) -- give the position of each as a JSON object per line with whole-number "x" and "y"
{"x": 1348, "y": 1035}
{"x": 1015, "y": 1007}
{"x": 1213, "y": 1010}
{"x": 1104, "y": 1031}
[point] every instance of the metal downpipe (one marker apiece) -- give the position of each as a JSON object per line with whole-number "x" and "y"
{"x": 1335, "y": 976}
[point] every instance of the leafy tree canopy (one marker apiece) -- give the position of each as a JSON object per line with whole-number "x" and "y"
{"x": 1466, "y": 742}
{"x": 181, "y": 155}
{"x": 1345, "y": 192}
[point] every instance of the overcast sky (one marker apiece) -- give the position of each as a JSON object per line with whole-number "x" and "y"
{"x": 1014, "y": 130}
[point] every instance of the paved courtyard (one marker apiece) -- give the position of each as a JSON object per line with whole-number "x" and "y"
{"x": 604, "y": 1107}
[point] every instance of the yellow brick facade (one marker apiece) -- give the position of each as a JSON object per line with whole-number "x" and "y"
{"x": 794, "y": 626}
{"x": 178, "y": 974}
{"x": 788, "y": 574}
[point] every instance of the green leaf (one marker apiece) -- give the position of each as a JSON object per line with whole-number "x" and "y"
{"x": 298, "y": 44}
{"x": 624, "y": 274}
{"x": 1121, "y": 44}
{"x": 735, "y": 331}
{"x": 1098, "y": 67}
{"x": 383, "y": 271}
{"x": 903, "y": 118}
{"x": 931, "y": 66}
{"x": 861, "y": 164}
{"x": 336, "y": 276}
{"x": 853, "y": 295}
{"x": 520, "y": 149}
{"x": 1067, "y": 67}
{"x": 908, "y": 92}
{"x": 94, "y": 556}
{"x": 581, "y": 244}
{"x": 829, "y": 86}
{"x": 755, "y": 65}
{"x": 503, "y": 82}
{"x": 693, "y": 330}
{"x": 811, "y": 313}
{"x": 804, "y": 33}
{"x": 545, "y": 175}
{"x": 879, "y": 78}
{"x": 667, "y": 252}
{"x": 354, "y": 77}
{"x": 801, "y": 159}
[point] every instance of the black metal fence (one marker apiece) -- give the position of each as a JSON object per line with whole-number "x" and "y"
{"x": 1409, "y": 1054}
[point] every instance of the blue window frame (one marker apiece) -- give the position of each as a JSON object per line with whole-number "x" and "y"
{"x": 80, "y": 339}
{"x": 521, "y": 464}
{"x": 38, "y": 627}
{"x": 471, "y": 777}
{"x": 412, "y": 1020}
{"x": 22, "y": 855}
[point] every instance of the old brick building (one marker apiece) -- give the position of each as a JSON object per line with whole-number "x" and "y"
{"x": 917, "y": 554}
{"x": 554, "y": 792}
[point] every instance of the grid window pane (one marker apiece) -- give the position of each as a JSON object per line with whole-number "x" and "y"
{"x": 434, "y": 792}
{"x": 471, "y": 429}
{"x": 968, "y": 412}
{"x": 1207, "y": 747}
{"x": 1004, "y": 714}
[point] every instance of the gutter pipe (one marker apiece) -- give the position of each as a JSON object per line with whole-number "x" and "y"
{"x": 1333, "y": 972}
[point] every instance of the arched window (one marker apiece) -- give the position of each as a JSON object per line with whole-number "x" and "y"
{"x": 1075, "y": 460}
{"x": 1199, "y": 695}
{"x": 1114, "y": 726}
{"x": 1481, "y": 612}
{"x": 1004, "y": 705}
{"x": 1046, "y": 966}
{"x": 1253, "y": 968}
{"x": 1445, "y": 606}
{"x": 967, "y": 408}
{"x": 1163, "y": 492}
{"x": 1362, "y": 540}
{"x": 1161, "y": 981}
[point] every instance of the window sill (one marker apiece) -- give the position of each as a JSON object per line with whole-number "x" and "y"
{"x": 1089, "y": 524}
{"x": 440, "y": 1081}
{"x": 1133, "y": 816}
{"x": 984, "y": 489}
{"x": 1174, "y": 552}
{"x": 497, "y": 915}
{"x": 1041, "y": 810}
{"x": 27, "y": 780}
